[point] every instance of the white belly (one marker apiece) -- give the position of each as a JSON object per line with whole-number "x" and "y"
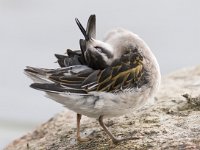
{"x": 101, "y": 103}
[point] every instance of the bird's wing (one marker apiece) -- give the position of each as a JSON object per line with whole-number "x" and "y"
{"x": 73, "y": 57}
{"x": 66, "y": 79}
{"x": 124, "y": 73}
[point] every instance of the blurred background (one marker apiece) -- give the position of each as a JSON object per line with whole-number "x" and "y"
{"x": 31, "y": 32}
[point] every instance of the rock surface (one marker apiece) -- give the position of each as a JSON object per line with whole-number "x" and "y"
{"x": 173, "y": 122}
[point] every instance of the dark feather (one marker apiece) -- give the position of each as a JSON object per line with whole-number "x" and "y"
{"x": 92, "y": 78}
{"x": 83, "y": 49}
{"x": 47, "y": 87}
{"x": 91, "y": 27}
{"x": 61, "y": 59}
{"x": 73, "y": 58}
{"x": 81, "y": 28}
{"x": 95, "y": 60}
{"x": 106, "y": 74}
{"x": 66, "y": 79}
{"x": 55, "y": 88}
{"x": 72, "y": 53}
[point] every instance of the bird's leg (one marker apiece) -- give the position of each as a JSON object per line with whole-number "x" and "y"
{"x": 114, "y": 139}
{"x": 78, "y": 130}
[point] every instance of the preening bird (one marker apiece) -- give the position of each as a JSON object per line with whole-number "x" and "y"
{"x": 106, "y": 78}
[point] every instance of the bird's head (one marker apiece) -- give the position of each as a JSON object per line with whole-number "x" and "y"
{"x": 97, "y": 54}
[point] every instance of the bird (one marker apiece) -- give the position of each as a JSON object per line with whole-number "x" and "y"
{"x": 103, "y": 79}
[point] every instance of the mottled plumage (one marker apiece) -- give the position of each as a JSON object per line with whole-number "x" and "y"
{"x": 108, "y": 78}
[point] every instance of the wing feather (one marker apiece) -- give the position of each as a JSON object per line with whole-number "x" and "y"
{"x": 126, "y": 72}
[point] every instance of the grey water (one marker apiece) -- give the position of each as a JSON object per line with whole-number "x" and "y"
{"x": 31, "y": 32}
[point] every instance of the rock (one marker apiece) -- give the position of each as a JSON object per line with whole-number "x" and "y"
{"x": 173, "y": 122}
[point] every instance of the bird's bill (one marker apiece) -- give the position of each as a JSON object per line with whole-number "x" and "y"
{"x": 81, "y": 28}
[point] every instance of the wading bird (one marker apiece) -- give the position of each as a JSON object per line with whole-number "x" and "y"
{"x": 106, "y": 78}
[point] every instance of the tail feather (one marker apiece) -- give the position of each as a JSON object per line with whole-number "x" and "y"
{"x": 37, "y": 75}
{"x": 56, "y": 88}
{"x": 73, "y": 58}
